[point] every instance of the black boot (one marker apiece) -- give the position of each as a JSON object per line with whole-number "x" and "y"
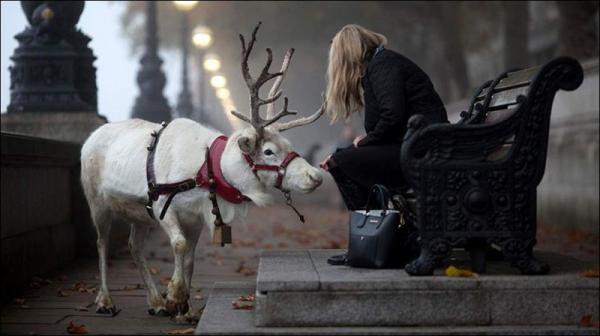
{"x": 337, "y": 260}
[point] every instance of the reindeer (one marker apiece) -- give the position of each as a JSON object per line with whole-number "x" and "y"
{"x": 113, "y": 174}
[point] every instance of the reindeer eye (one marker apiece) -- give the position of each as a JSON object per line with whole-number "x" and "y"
{"x": 268, "y": 152}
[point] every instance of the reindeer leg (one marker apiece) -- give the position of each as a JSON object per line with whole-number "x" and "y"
{"x": 137, "y": 240}
{"x": 177, "y": 291}
{"x": 102, "y": 221}
{"x": 188, "y": 264}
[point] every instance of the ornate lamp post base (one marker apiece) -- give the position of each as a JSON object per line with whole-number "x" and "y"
{"x": 53, "y": 70}
{"x": 53, "y": 79}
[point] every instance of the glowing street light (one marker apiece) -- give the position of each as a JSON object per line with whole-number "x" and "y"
{"x": 202, "y": 37}
{"x": 223, "y": 93}
{"x": 218, "y": 81}
{"x": 212, "y": 63}
{"x": 185, "y": 5}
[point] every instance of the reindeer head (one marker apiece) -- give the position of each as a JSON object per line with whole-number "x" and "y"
{"x": 271, "y": 155}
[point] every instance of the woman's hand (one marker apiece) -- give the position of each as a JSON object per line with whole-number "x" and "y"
{"x": 323, "y": 163}
{"x": 357, "y": 140}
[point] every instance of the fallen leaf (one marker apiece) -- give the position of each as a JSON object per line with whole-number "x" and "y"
{"x": 591, "y": 273}
{"x": 198, "y": 297}
{"x": 181, "y": 331}
{"x": 242, "y": 306}
{"x": 247, "y": 298}
{"x": 154, "y": 271}
{"x": 81, "y": 309}
{"x": 20, "y": 301}
{"x": 62, "y": 293}
{"x": 452, "y": 271}
{"x": 242, "y": 269}
{"x": 72, "y": 328}
{"x": 587, "y": 322}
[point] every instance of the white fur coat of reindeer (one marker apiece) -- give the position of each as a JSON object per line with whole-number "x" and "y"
{"x": 113, "y": 174}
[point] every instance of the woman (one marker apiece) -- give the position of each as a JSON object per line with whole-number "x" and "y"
{"x": 363, "y": 74}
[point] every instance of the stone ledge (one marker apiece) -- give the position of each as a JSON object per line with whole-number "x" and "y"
{"x": 219, "y": 319}
{"x": 298, "y": 288}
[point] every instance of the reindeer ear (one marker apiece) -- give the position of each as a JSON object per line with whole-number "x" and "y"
{"x": 247, "y": 144}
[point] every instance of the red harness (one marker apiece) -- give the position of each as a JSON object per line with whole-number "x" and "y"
{"x": 211, "y": 166}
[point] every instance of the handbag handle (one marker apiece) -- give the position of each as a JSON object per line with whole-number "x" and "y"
{"x": 382, "y": 194}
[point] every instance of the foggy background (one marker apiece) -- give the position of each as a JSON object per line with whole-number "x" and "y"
{"x": 459, "y": 44}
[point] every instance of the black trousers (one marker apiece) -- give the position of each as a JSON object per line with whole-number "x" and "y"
{"x": 356, "y": 169}
{"x": 353, "y": 194}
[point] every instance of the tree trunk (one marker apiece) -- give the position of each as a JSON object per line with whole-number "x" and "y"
{"x": 577, "y": 30}
{"x": 516, "y": 34}
{"x": 446, "y": 18}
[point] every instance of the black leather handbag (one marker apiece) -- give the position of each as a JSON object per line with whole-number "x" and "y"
{"x": 380, "y": 237}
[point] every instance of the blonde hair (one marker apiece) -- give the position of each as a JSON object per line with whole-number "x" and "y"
{"x": 345, "y": 69}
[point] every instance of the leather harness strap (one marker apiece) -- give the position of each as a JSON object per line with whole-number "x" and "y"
{"x": 209, "y": 176}
{"x": 154, "y": 189}
{"x": 280, "y": 169}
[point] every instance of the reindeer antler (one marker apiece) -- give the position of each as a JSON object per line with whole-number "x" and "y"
{"x": 254, "y": 86}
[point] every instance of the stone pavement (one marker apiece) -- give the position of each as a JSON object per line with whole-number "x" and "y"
{"x": 54, "y": 300}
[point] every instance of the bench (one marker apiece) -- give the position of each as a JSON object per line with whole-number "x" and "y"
{"x": 475, "y": 181}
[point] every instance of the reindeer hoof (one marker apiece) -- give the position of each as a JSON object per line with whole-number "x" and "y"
{"x": 158, "y": 312}
{"x": 176, "y": 308}
{"x": 112, "y": 310}
{"x": 185, "y": 319}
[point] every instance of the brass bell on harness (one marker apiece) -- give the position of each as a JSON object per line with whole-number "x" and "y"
{"x": 222, "y": 235}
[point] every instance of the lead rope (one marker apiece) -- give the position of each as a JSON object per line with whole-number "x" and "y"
{"x": 288, "y": 202}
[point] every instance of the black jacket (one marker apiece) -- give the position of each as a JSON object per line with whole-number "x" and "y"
{"x": 395, "y": 88}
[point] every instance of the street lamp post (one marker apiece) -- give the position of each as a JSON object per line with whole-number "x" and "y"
{"x": 202, "y": 39}
{"x": 151, "y": 104}
{"x": 184, "y": 100}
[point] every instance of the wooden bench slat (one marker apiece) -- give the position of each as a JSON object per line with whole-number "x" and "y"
{"x": 499, "y": 115}
{"x": 514, "y": 79}
{"x": 499, "y": 153}
{"x": 507, "y": 97}
{"x": 518, "y": 78}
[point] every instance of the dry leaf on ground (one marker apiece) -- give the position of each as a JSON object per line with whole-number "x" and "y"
{"x": 247, "y": 298}
{"x": 242, "y": 269}
{"x": 198, "y": 297}
{"x": 181, "y": 331}
{"x": 452, "y": 271}
{"x": 154, "y": 271}
{"x": 242, "y": 306}
{"x": 591, "y": 273}
{"x": 72, "y": 328}
{"x": 81, "y": 309}
{"x": 587, "y": 322}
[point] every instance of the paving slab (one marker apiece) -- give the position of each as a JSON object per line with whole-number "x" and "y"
{"x": 220, "y": 319}
{"x": 285, "y": 270}
{"x": 345, "y": 296}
